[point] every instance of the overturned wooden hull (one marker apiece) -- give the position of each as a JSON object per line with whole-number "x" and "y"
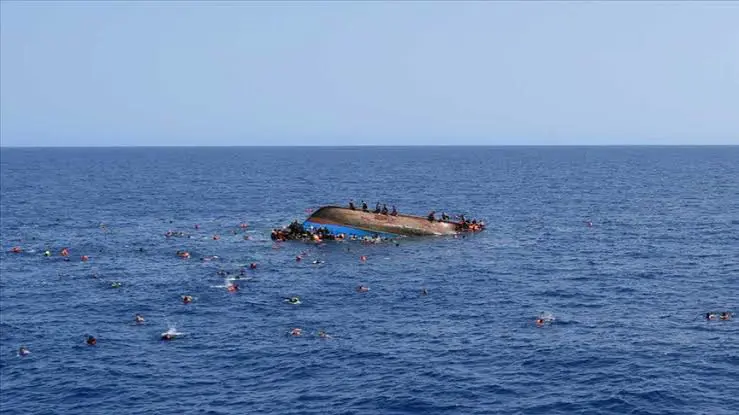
{"x": 357, "y": 222}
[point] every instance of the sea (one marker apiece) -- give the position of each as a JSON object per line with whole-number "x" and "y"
{"x": 621, "y": 250}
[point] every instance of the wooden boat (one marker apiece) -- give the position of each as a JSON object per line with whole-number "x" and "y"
{"x": 341, "y": 220}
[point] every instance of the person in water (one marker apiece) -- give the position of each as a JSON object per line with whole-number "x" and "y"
{"x": 726, "y": 315}
{"x": 91, "y": 341}
{"x": 23, "y": 351}
{"x": 424, "y": 291}
{"x": 186, "y": 299}
{"x": 711, "y": 316}
{"x": 322, "y": 334}
{"x": 232, "y": 288}
{"x": 362, "y": 289}
{"x": 296, "y": 332}
{"x": 293, "y": 300}
{"x": 138, "y": 318}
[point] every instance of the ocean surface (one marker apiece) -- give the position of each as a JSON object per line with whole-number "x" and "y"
{"x": 628, "y": 294}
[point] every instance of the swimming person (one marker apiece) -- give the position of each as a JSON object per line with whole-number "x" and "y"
{"x": 138, "y": 318}
{"x": 91, "y": 341}
{"x": 23, "y": 351}
{"x": 293, "y": 300}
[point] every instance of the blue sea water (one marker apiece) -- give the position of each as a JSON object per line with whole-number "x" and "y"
{"x": 628, "y": 294}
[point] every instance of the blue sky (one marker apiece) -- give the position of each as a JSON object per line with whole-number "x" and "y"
{"x": 405, "y": 73}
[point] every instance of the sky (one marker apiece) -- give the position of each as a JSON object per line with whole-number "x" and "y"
{"x": 368, "y": 73}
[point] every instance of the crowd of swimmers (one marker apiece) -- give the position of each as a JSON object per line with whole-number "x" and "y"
{"x": 297, "y": 231}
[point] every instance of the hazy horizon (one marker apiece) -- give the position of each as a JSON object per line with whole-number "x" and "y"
{"x": 325, "y": 74}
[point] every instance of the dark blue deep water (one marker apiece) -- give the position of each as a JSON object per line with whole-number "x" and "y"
{"x": 628, "y": 294}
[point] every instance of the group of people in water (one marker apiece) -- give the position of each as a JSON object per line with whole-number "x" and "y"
{"x": 724, "y": 315}
{"x": 297, "y": 231}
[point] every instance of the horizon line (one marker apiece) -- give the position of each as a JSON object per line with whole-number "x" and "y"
{"x": 356, "y": 146}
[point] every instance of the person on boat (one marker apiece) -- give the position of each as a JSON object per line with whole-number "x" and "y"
{"x": 91, "y": 341}
{"x": 384, "y": 209}
{"x": 394, "y": 212}
{"x": 431, "y": 216}
{"x": 444, "y": 216}
{"x": 725, "y": 315}
{"x": 351, "y": 205}
{"x": 138, "y": 319}
{"x": 378, "y": 209}
{"x": 364, "y": 206}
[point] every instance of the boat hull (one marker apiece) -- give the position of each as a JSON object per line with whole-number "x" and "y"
{"x": 356, "y": 222}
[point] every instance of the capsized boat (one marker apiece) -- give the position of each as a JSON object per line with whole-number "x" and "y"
{"x": 334, "y": 222}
